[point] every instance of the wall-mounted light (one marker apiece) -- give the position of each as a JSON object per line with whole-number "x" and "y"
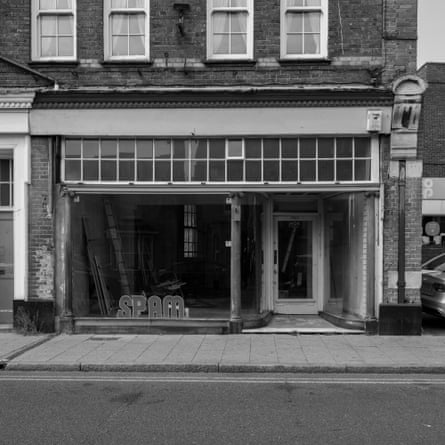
{"x": 181, "y": 8}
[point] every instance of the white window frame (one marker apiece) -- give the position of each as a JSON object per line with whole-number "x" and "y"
{"x": 249, "y": 43}
{"x": 323, "y": 9}
{"x": 108, "y": 12}
{"x": 35, "y": 25}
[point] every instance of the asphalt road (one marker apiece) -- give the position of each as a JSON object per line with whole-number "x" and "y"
{"x": 86, "y": 408}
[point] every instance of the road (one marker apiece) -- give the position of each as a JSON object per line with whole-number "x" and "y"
{"x": 84, "y": 408}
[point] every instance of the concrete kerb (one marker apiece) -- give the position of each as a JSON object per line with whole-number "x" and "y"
{"x": 225, "y": 368}
{"x": 19, "y": 351}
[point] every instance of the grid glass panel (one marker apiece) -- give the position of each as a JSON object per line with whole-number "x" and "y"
{"x": 6, "y": 182}
{"x": 218, "y": 160}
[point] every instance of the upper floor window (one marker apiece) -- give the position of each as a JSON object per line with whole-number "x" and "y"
{"x": 229, "y": 29}
{"x": 304, "y": 28}
{"x": 6, "y": 182}
{"x": 126, "y": 29}
{"x": 54, "y": 30}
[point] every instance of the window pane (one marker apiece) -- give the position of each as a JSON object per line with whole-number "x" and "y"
{"x": 180, "y": 149}
{"x": 120, "y": 46}
{"x": 64, "y": 4}
{"x": 90, "y": 148}
{"x": 48, "y": 25}
{"x": 294, "y": 44}
{"x": 238, "y": 22}
{"x": 217, "y": 148}
{"x": 217, "y": 171}
{"x": 126, "y": 170}
{"x": 271, "y": 171}
{"x": 162, "y": 149}
{"x": 119, "y": 24}
{"x": 326, "y": 147}
{"x": 294, "y": 22}
{"x": 221, "y": 22}
{"x": 289, "y": 171}
{"x": 221, "y": 44}
{"x": 238, "y": 44}
{"x": 312, "y": 22}
{"x": 47, "y": 4}
{"x": 144, "y": 148}
{"x": 311, "y": 44}
{"x": 235, "y": 170}
{"x": 326, "y": 170}
{"x": 118, "y": 3}
{"x": 271, "y": 148}
{"x": 295, "y": 3}
{"x": 198, "y": 170}
{"x": 144, "y": 171}
{"x": 238, "y": 3}
{"x": 363, "y": 170}
{"x": 362, "y": 148}
{"x": 136, "y": 46}
{"x": 48, "y": 47}
{"x": 180, "y": 171}
{"x": 66, "y": 46}
{"x": 344, "y": 147}
{"x": 253, "y": 148}
{"x": 235, "y": 148}
{"x": 126, "y": 148}
{"x": 72, "y": 148}
{"x": 91, "y": 170}
{"x": 162, "y": 171}
{"x": 65, "y": 25}
{"x": 136, "y": 3}
{"x": 253, "y": 170}
{"x": 198, "y": 149}
{"x": 307, "y": 171}
{"x": 5, "y": 195}
{"x": 221, "y": 3}
{"x": 289, "y": 148}
{"x": 312, "y": 2}
{"x": 108, "y": 148}
{"x": 5, "y": 170}
{"x": 344, "y": 170}
{"x": 136, "y": 24}
{"x": 72, "y": 170}
{"x": 307, "y": 148}
{"x": 108, "y": 170}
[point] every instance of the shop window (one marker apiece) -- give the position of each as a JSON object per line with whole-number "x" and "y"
{"x": 304, "y": 28}
{"x": 6, "y": 182}
{"x": 229, "y": 29}
{"x": 190, "y": 232}
{"x": 220, "y": 160}
{"x": 126, "y": 29}
{"x": 54, "y": 30}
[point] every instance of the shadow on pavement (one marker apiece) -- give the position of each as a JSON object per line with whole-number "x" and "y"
{"x": 433, "y": 325}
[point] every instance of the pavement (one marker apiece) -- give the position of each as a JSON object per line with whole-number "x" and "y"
{"x": 223, "y": 353}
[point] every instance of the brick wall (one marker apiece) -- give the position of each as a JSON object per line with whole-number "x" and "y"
{"x": 41, "y": 238}
{"x": 356, "y": 51}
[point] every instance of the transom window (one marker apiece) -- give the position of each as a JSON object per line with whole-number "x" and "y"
{"x": 220, "y": 160}
{"x": 190, "y": 231}
{"x": 54, "y": 29}
{"x": 229, "y": 29}
{"x": 6, "y": 182}
{"x": 304, "y": 28}
{"x": 126, "y": 30}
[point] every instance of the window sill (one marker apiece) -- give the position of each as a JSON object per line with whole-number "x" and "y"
{"x": 128, "y": 62}
{"x": 305, "y": 61}
{"x": 231, "y": 62}
{"x": 37, "y": 63}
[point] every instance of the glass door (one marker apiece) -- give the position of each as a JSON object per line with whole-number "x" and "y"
{"x": 294, "y": 265}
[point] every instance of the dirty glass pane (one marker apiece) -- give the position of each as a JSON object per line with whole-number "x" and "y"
{"x": 217, "y": 171}
{"x": 144, "y": 170}
{"x": 198, "y": 149}
{"x": 307, "y": 148}
{"x": 253, "y": 171}
{"x": 363, "y": 170}
{"x": 326, "y": 147}
{"x": 126, "y": 148}
{"x": 162, "y": 171}
{"x": 66, "y": 46}
{"x": 271, "y": 170}
{"x": 344, "y": 170}
{"x": 344, "y": 147}
{"x": 217, "y": 148}
{"x": 289, "y": 171}
{"x": 271, "y": 148}
{"x": 5, "y": 194}
{"x": 198, "y": 170}
{"x": 91, "y": 170}
{"x": 253, "y": 148}
{"x": 326, "y": 170}
{"x": 108, "y": 170}
{"x": 73, "y": 148}
{"x": 307, "y": 171}
{"x": 144, "y": 148}
{"x": 181, "y": 170}
{"x": 235, "y": 170}
{"x": 126, "y": 171}
{"x": 289, "y": 148}
{"x": 72, "y": 170}
{"x": 362, "y": 147}
{"x": 180, "y": 149}
{"x": 234, "y": 148}
{"x": 162, "y": 149}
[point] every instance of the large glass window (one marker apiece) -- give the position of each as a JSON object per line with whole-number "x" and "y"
{"x": 304, "y": 28}
{"x": 54, "y": 29}
{"x": 229, "y": 29}
{"x": 126, "y": 29}
{"x": 219, "y": 160}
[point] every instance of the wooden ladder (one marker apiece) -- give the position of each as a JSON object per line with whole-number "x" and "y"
{"x": 117, "y": 245}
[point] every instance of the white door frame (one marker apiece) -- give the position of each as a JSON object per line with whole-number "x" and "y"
{"x": 298, "y": 306}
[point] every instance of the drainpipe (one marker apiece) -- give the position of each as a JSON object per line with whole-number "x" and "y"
{"x": 401, "y": 284}
{"x": 236, "y": 323}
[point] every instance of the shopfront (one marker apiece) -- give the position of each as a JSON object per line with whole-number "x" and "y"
{"x": 262, "y": 211}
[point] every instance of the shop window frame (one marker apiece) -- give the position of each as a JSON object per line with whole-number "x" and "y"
{"x": 8, "y": 204}
{"x": 230, "y": 10}
{"x": 109, "y": 12}
{"x": 305, "y": 8}
{"x": 38, "y": 13}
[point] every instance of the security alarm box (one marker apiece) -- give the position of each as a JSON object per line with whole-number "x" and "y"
{"x": 375, "y": 121}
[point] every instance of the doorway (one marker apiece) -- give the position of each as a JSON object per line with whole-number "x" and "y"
{"x": 295, "y": 260}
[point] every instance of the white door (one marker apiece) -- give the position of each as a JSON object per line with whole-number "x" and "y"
{"x": 295, "y": 265}
{"x": 6, "y": 268}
